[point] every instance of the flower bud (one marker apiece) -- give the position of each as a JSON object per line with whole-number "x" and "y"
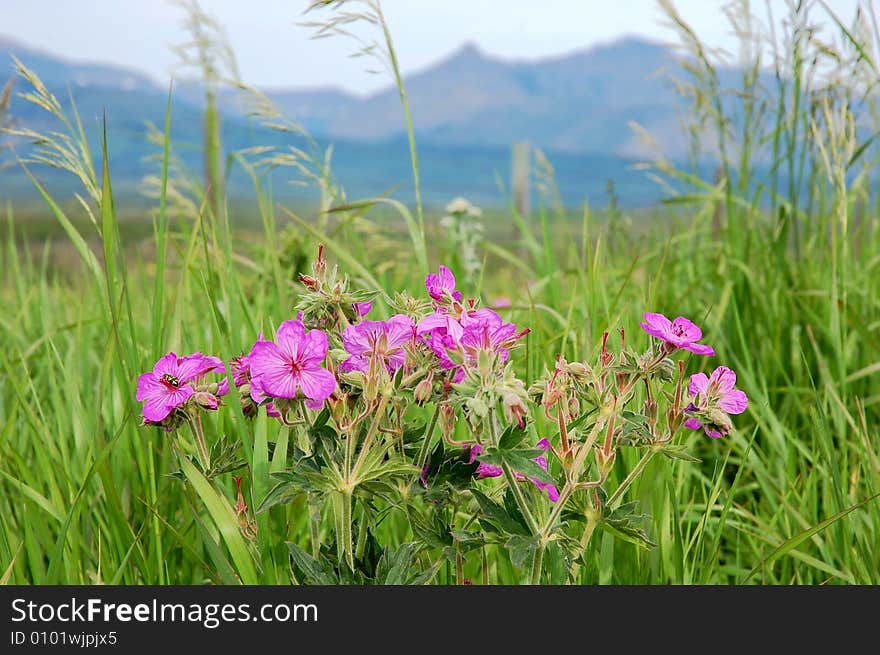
{"x": 206, "y": 400}
{"x": 424, "y": 389}
{"x": 604, "y": 462}
{"x": 537, "y": 389}
{"x": 308, "y": 282}
{"x": 650, "y": 410}
{"x": 666, "y": 369}
{"x": 447, "y": 419}
{"x": 514, "y": 408}
{"x": 715, "y": 418}
{"x": 574, "y": 406}
{"x": 674, "y": 419}
{"x": 580, "y": 372}
{"x": 248, "y": 407}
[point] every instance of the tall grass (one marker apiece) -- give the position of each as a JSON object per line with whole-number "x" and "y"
{"x": 780, "y": 267}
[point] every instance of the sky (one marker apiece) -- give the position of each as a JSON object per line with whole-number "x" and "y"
{"x": 274, "y": 51}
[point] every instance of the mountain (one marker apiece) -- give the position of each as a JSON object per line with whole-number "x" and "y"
{"x": 468, "y": 107}
{"x": 581, "y": 102}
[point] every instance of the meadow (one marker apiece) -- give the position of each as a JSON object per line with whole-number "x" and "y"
{"x": 776, "y": 258}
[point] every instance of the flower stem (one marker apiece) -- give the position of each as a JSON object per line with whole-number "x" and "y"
{"x": 426, "y": 440}
{"x": 537, "y": 562}
{"x": 629, "y": 479}
{"x": 196, "y": 426}
{"x": 315, "y": 525}
{"x": 520, "y": 499}
{"x": 345, "y": 525}
{"x": 585, "y": 541}
{"x": 371, "y": 432}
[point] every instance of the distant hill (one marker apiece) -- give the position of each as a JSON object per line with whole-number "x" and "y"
{"x": 576, "y": 107}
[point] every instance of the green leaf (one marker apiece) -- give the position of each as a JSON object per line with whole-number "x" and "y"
{"x": 512, "y": 437}
{"x": 225, "y": 520}
{"x": 625, "y": 524}
{"x": 308, "y": 567}
{"x": 789, "y": 544}
{"x": 281, "y": 493}
{"x": 498, "y": 515}
{"x": 679, "y": 451}
{"x": 521, "y": 548}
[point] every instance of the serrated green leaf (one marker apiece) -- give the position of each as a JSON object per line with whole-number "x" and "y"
{"x": 497, "y": 514}
{"x": 521, "y": 548}
{"x": 308, "y": 567}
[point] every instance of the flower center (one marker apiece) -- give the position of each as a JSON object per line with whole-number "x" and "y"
{"x": 170, "y": 382}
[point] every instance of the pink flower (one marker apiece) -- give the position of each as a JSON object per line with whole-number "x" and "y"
{"x": 363, "y": 308}
{"x": 382, "y": 340}
{"x": 541, "y": 460}
{"x": 290, "y": 366}
{"x": 680, "y": 333}
{"x": 168, "y": 386}
{"x": 485, "y": 470}
{"x": 241, "y": 375}
{"x": 441, "y": 286}
{"x": 713, "y": 393}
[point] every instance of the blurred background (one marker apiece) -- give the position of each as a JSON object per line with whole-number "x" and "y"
{"x": 595, "y": 88}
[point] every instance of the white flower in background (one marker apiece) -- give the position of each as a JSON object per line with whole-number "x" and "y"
{"x": 465, "y": 231}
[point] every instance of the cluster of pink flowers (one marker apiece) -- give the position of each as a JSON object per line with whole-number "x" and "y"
{"x": 713, "y": 397}
{"x": 457, "y": 332}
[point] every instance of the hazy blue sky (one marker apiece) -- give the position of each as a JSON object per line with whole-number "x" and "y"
{"x": 273, "y": 51}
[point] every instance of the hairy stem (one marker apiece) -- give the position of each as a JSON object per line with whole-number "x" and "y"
{"x": 426, "y": 440}
{"x": 537, "y": 562}
{"x": 196, "y": 426}
{"x": 371, "y": 432}
{"x": 520, "y": 499}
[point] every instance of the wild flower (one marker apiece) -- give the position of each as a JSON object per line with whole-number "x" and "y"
{"x": 714, "y": 397}
{"x": 251, "y": 393}
{"x": 680, "y": 333}
{"x": 290, "y": 367}
{"x": 379, "y": 341}
{"x": 362, "y": 308}
{"x": 441, "y": 286}
{"x": 174, "y": 380}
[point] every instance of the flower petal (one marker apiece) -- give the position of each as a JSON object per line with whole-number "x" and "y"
{"x": 447, "y": 279}
{"x": 361, "y": 338}
{"x": 657, "y": 325}
{"x": 289, "y": 336}
{"x": 166, "y": 364}
{"x": 363, "y": 308}
{"x": 686, "y": 329}
{"x": 399, "y": 330}
{"x": 734, "y": 402}
{"x": 355, "y": 363}
{"x": 698, "y": 384}
{"x": 156, "y": 409}
{"x": 395, "y": 360}
{"x": 699, "y": 349}
{"x": 724, "y": 380}
{"x": 317, "y": 383}
{"x": 148, "y": 385}
{"x": 271, "y": 370}
{"x": 693, "y": 424}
